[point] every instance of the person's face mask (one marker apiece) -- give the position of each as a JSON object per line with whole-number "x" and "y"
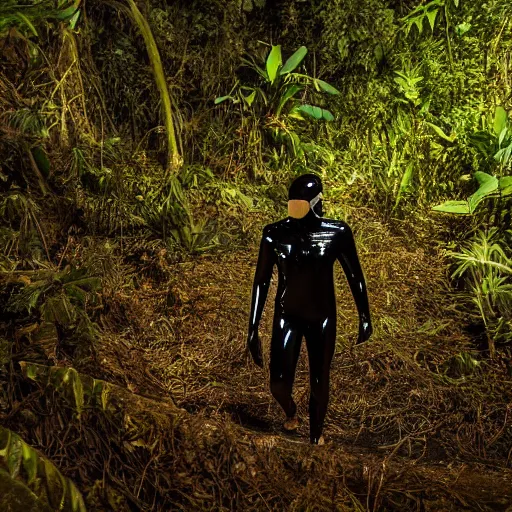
{"x": 299, "y": 208}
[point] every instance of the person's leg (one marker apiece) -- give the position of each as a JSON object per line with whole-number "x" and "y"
{"x": 320, "y": 341}
{"x": 284, "y": 354}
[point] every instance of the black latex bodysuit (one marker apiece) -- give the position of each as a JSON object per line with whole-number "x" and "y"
{"x": 304, "y": 251}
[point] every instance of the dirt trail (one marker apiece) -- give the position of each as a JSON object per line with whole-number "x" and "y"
{"x": 409, "y": 422}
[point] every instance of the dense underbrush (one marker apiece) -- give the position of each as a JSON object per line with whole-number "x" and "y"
{"x": 171, "y": 413}
{"x": 143, "y": 146}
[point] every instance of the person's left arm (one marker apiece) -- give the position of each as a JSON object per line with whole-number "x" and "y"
{"x": 347, "y": 256}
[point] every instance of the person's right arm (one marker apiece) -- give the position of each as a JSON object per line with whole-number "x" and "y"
{"x": 262, "y": 278}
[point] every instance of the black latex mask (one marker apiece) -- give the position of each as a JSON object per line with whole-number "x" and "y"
{"x": 305, "y": 194}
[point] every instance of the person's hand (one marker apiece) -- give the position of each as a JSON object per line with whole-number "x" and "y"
{"x": 365, "y": 330}
{"x": 254, "y": 344}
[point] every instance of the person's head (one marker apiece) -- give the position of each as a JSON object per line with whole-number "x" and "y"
{"x": 305, "y": 194}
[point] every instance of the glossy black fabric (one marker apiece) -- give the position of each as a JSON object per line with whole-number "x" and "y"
{"x": 304, "y": 251}
{"x": 287, "y": 336}
{"x": 305, "y": 187}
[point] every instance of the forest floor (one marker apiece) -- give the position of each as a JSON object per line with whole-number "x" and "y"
{"x": 419, "y": 418}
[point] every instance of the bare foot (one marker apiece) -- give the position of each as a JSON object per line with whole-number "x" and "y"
{"x": 321, "y": 441}
{"x": 291, "y": 424}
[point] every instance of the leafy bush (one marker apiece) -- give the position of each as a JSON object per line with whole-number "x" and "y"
{"x": 487, "y": 268}
{"x": 277, "y": 105}
{"x": 31, "y": 480}
{"x": 59, "y": 299}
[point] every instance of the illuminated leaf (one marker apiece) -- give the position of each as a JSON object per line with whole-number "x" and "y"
{"x": 441, "y": 133}
{"x": 274, "y": 61}
{"x": 459, "y": 207}
{"x": 42, "y": 161}
{"x": 462, "y": 28}
{"x": 39, "y": 487}
{"x": 316, "y": 112}
{"x": 488, "y": 185}
{"x": 294, "y": 61}
{"x": 431, "y": 15}
{"x": 28, "y": 23}
{"x": 250, "y": 99}
{"x": 69, "y": 12}
{"x": 328, "y": 88}
{"x": 500, "y": 120}
{"x": 505, "y": 185}
{"x": 74, "y": 20}
{"x": 289, "y": 93}
{"x": 220, "y": 99}
{"x": 405, "y": 182}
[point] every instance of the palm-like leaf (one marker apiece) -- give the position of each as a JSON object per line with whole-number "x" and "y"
{"x": 32, "y": 481}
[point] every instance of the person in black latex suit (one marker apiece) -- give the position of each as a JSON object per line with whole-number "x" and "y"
{"x": 305, "y": 246}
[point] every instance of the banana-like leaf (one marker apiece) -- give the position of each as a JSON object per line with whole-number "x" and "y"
{"x": 89, "y": 393}
{"x": 76, "y": 293}
{"x": 503, "y": 135}
{"x": 316, "y": 112}
{"x": 504, "y": 154}
{"x": 459, "y": 207}
{"x": 486, "y": 180}
{"x": 488, "y": 185}
{"x": 288, "y": 94}
{"x": 59, "y": 309}
{"x": 70, "y": 377}
{"x": 45, "y": 337}
{"x": 294, "y": 61}
{"x": 274, "y": 61}
{"x": 79, "y": 390}
{"x": 505, "y": 185}
{"x": 296, "y": 144}
{"x": 31, "y": 481}
{"x": 87, "y": 284}
{"x": 14, "y": 496}
{"x": 500, "y": 120}
{"x": 328, "y": 88}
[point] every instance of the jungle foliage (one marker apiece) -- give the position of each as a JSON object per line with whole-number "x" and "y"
{"x": 140, "y": 135}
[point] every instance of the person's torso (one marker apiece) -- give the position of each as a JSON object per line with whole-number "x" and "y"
{"x": 305, "y": 256}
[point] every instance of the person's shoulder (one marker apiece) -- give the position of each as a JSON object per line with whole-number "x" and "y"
{"x": 339, "y": 226}
{"x": 275, "y": 226}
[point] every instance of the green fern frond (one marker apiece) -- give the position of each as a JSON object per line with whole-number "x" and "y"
{"x": 28, "y": 122}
